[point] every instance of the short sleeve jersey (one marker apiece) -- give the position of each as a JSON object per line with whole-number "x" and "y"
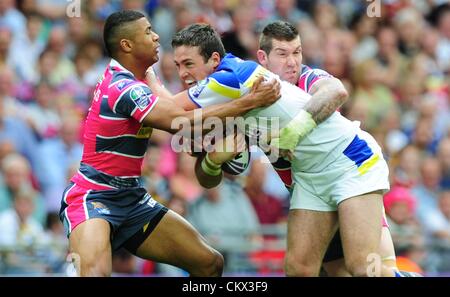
{"x": 115, "y": 138}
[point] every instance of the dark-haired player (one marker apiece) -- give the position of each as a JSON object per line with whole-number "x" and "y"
{"x": 105, "y": 206}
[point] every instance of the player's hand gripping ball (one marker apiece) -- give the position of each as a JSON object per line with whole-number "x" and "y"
{"x": 239, "y": 163}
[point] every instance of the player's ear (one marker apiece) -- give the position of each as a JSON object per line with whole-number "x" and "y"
{"x": 215, "y": 59}
{"x": 125, "y": 45}
{"x": 262, "y": 57}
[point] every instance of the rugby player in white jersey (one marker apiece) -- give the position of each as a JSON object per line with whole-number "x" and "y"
{"x": 280, "y": 51}
{"x": 338, "y": 169}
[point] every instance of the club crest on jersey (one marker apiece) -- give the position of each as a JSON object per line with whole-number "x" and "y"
{"x": 123, "y": 83}
{"x": 140, "y": 97}
{"x": 196, "y": 91}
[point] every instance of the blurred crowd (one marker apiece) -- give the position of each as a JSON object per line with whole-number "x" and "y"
{"x": 395, "y": 65}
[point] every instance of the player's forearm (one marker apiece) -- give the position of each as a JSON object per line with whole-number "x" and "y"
{"x": 326, "y": 100}
{"x": 158, "y": 89}
{"x": 206, "y": 180}
{"x": 172, "y": 118}
{"x": 230, "y": 109}
{"x": 176, "y": 117}
{"x": 327, "y": 96}
{"x": 221, "y": 112}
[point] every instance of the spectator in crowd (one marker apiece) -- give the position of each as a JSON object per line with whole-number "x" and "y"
{"x": 391, "y": 64}
{"x": 443, "y": 48}
{"x": 28, "y": 47}
{"x": 400, "y": 208}
{"x": 409, "y": 25}
{"x": 18, "y": 227}
{"x": 286, "y": 10}
{"x": 268, "y": 209}
{"x": 444, "y": 205}
{"x": 15, "y": 131}
{"x": 155, "y": 183}
{"x": 16, "y": 175}
{"x": 183, "y": 183}
{"x": 225, "y": 216}
{"x": 163, "y": 18}
{"x": 11, "y": 105}
{"x": 64, "y": 68}
{"x": 168, "y": 71}
{"x": 12, "y": 18}
{"x": 427, "y": 194}
{"x": 376, "y": 97}
{"x": 241, "y": 38}
{"x": 325, "y": 16}
{"x": 219, "y": 16}
{"x": 424, "y": 137}
{"x": 41, "y": 115}
{"x": 56, "y": 155}
{"x": 443, "y": 156}
{"x": 364, "y": 28}
{"x": 405, "y": 167}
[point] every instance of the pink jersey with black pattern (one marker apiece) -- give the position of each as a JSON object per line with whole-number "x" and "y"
{"x": 309, "y": 76}
{"x": 115, "y": 139}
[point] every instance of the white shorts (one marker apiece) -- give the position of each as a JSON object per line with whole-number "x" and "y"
{"x": 360, "y": 169}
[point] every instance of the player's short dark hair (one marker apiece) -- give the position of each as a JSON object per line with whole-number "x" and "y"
{"x": 279, "y": 30}
{"x": 201, "y": 35}
{"x": 112, "y": 31}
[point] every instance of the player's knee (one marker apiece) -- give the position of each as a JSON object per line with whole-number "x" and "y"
{"x": 215, "y": 268}
{"x": 95, "y": 268}
{"x": 218, "y": 264}
{"x": 293, "y": 267}
{"x": 336, "y": 268}
{"x": 212, "y": 265}
{"x": 357, "y": 268}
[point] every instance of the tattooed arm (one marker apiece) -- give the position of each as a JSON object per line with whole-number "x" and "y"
{"x": 328, "y": 94}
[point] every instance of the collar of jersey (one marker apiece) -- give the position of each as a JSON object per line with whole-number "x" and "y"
{"x": 114, "y": 63}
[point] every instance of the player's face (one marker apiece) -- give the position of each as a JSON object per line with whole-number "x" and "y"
{"x": 285, "y": 59}
{"x": 146, "y": 43}
{"x": 191, "y": 65}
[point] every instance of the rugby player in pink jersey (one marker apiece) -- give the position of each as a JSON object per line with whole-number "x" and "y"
{"x": 105, "y": 206}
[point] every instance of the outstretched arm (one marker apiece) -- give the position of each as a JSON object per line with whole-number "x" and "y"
{"x": 167, "y": 110}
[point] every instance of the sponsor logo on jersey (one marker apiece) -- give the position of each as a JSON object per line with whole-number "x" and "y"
{"x": 196, "y": 91}
{"x": 140, "y": 97}
{"x": 123, "y": 83}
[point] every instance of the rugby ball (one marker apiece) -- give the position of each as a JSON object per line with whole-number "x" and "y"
{"x": 237, "y": 165}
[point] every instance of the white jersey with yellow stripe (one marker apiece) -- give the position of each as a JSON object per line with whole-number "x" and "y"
{"x": 234, "y": 78}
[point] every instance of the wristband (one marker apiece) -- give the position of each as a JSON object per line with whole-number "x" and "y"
{"x": 209, "y": 167}
{"x": 300, "y": 126}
